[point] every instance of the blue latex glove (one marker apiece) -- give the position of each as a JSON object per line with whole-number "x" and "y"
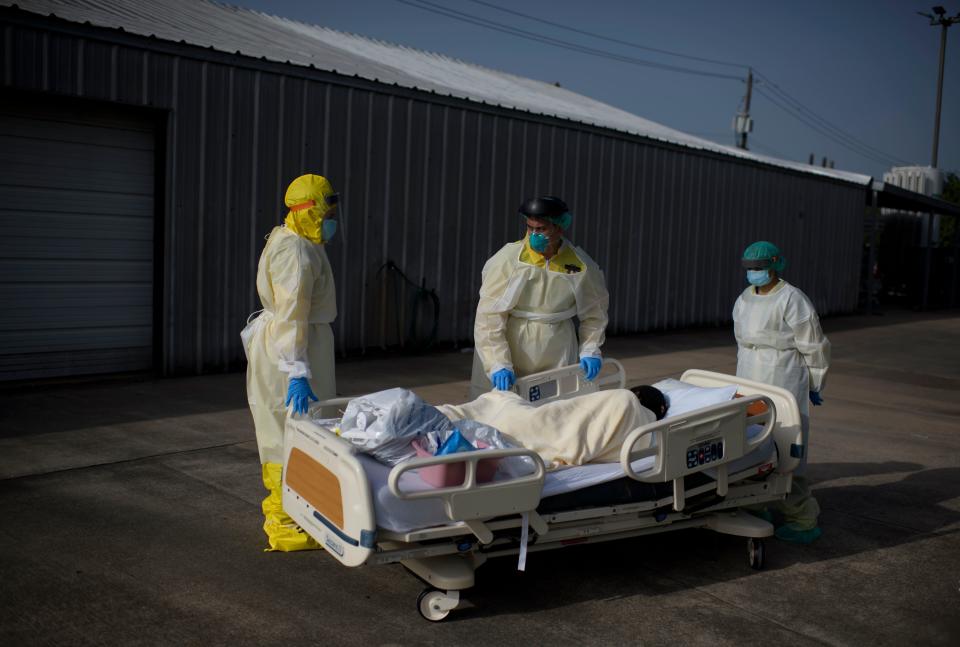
{"x": 815, "y": 398}
{"x": 591, "y": 366}
{"x": 300, "y": 393}
{"x": 503, "y": 379}
{"x": 454, "y": 443}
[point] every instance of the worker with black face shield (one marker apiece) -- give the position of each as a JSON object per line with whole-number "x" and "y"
{"x": 531, "y": 290}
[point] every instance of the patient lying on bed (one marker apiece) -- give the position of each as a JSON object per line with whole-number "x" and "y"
{"x": 586, "y": 429}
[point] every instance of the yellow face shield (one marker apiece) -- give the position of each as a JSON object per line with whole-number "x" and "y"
{"x": 310, "y": 199}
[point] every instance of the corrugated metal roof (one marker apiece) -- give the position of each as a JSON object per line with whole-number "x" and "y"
{"x": 251, "y": 33}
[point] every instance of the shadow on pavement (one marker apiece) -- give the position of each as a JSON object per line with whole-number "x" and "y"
{"x": 64, "y": 406}
{"x": 856, "y": 519}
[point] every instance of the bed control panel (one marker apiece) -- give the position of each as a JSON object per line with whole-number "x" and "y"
{"x": 704, "y": 453}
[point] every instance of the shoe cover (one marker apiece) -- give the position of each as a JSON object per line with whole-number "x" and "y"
{"x": 790, "y": 533}
{"x": 283, "y": 534}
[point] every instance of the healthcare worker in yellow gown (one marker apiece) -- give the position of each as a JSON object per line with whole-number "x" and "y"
{"x": 780, "y": 342}
{"x": 531, "y": 290}
{"x": 289, "y": 345}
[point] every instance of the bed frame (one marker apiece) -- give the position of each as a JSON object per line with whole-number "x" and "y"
{"x": 325, "y": 488}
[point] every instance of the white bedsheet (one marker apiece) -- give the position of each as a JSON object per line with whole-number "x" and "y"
{"x": 401, "y": 515}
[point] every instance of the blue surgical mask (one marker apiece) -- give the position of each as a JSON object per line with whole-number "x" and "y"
{"x": 328, "y": 229}
{"x": 758, "y": 278}
{"x": 539, "y": 242}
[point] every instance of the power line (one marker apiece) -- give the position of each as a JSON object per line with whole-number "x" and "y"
{"x": 608, "y": 38}
{"x": 783, "y": 95}
{"x": 865, "y": 153}
{"x": 529, "y": 35}
{"x": 776, "y": 88}
{"x": 822, "y": 131}
{"x": 849, "y": 144}
{"x": 778, "y": 97}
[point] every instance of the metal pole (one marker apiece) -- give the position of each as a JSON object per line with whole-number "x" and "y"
{"x": 944, "y": 22}
{"x": 956, "y": 260}
{"x": 872, "y": 255}
{"x": 927, "y": 253}
{"x": 936, "y": 121}
{"x": 743, "y": 119}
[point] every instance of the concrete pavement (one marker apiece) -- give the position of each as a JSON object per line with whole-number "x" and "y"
{"x": 131, "y": 516}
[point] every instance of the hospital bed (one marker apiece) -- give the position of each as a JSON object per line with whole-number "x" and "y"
{"x": 699, "y": 471}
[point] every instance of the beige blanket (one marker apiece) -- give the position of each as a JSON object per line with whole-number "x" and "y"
{"x": 584, "y": 429}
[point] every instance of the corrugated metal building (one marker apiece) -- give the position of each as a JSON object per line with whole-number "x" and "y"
{"x": 146, "y": 148}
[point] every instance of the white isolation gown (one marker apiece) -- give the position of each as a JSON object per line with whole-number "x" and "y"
{"x": 780, "y": 342}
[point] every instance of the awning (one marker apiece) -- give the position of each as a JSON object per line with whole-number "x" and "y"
{"x": 894, "y": 197}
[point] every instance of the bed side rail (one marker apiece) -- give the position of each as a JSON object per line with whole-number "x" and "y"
{"x": 706, "y": 438}
{"x": 568, "y": 382}
{"x": 326, "y": 491}
{"x": 787, "y": 435}
{"x": 471, "y": 502}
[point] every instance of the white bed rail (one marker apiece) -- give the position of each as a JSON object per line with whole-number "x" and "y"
{"x": 787, "y": 435}
{"x": 706, "y": 438}
{"x": 472, "y": 502}
{"x": 568, "y": 382}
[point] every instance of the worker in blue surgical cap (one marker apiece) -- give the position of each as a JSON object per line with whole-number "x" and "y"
{"x": 780, "y": 342}
{"x": 531, "y": 290}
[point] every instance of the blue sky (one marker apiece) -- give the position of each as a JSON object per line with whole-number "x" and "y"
{"x": 867, "y": 67}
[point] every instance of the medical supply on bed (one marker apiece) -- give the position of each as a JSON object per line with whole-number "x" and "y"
{"x": 383, "y": 424}
{"x": 317, "y": 416}
{"x": 481, "y": 436}
{"x": 452, "y": 474}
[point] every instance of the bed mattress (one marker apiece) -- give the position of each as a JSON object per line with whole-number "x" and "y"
{"x": 400, "y": 515}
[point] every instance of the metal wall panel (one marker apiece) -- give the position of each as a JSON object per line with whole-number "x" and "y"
{"x": 431, "y": 183}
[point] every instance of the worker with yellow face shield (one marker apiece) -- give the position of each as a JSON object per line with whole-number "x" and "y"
{"x": 530, "y": 292}
{"x": 289, "y": 345}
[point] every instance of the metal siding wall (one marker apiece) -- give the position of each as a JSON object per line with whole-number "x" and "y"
{"x": 186, "y": 287}
{"x": 433, "y": 186}
{"x": 215, "y": 201}
{"x": 466, "y": 279}
{"x": 618, "y": 248}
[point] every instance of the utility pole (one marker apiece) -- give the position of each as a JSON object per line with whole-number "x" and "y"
{"x": 944, "y": 22}
{"x": 743, "y": 124}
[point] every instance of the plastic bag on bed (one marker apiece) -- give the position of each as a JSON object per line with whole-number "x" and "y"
{"x": 484, "y": 436}
{"x": 383, "y": 424}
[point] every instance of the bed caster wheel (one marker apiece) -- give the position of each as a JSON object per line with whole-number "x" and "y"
{"x": 435, "y": 605}
{"x": 755, "y": 553}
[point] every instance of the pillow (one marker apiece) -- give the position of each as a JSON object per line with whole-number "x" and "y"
{"x": 683, "y": 397}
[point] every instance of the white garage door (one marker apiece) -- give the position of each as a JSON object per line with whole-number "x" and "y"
{"x": 76, "y": 250}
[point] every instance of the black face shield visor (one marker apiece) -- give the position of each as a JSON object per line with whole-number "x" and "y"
{"x": 547, "y": 206}
{"x": 756, "y": 263}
